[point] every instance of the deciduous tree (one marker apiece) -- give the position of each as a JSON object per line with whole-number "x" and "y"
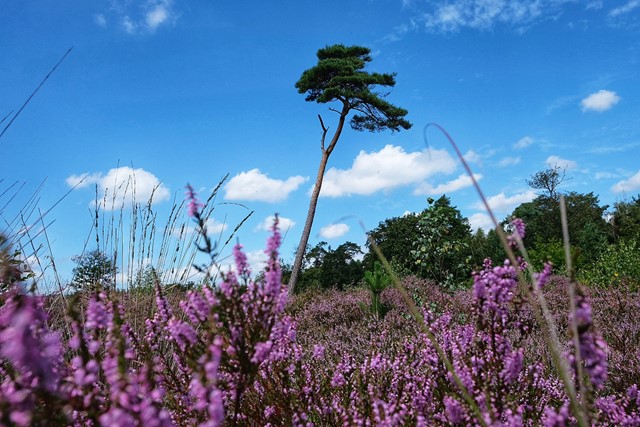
{"x": 93, "y": 270}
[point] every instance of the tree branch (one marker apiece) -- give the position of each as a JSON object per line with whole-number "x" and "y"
{"x": 324, "y": 132}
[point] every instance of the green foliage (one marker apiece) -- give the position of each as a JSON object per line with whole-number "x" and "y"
{"x": 548, "y": 180}
{"x": 94, "y": 270}
{"x": 339, "y": 76}
{"x": 341, "y": 268}
{"x": 312, "y": 268}
{"x": 588, "y": 229}
{"x": 146, "y": 279}
{"x": 617, "y": 266}
{"x": 393, "y": 237}
{"x": 625, "y": 221}
{"x": 552, "y": 251}
{"x": 486, "y": 245}
{"x": 326, "y": 268}
{"x": 442, "y": 252}
{"x": 378, "y": 281}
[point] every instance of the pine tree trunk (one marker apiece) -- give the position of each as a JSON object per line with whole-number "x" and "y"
{"x": 326, "y": 152}
{"x": 297, "y": 265}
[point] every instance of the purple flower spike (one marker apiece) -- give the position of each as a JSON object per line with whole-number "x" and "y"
{"x": 194, "y": 206}
{"x": 244, "y": 271}
{"x": 593, "y": 350}
{"x": 518, "y": 227}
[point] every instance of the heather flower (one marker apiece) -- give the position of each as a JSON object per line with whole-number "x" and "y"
{"x": 556, "y": 419}
{"x": 453, "y": 410}
{"x": 593, "y": 350}
{"x": 518, "y": 232}
{"x": 194, "y": 205}
{"x": 26, "y": 343}
{"x": 542, "y": 278}
{"x": 318, "y": 351}
{"x": 244, "y": 271}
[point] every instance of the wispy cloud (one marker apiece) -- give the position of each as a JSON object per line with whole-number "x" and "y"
{"x": 459, "y": 183}
{"x": 509, "y": 161}
{"x": 605, "y": 149}
{"x": 628, "y": 185}
{"x": 472, "y": 157}
{"x": 122, "y": 186}
{"x": 555, "y": 161}
{"x": 333, "y": 231}
{"x": 625, "y": 8}
{"x": 256, "y": 186}
{"x": 213, "y": 227}
{"x": 284, "y": 224}
{"x": 600, "y": 101}
{"x": 503, "y": 204}
{"x": 158, "y": 15}
{"x": 523, "y": 142}
{"x": 606, "y": 175}
{"x": 138, "y": 17}
{"x": 100, "y": 20}
{"x": 561, "y": 102}
{"x": 389, "y": 168}
{"x": 452, "y": 16}
{"x": 480, "y": 220}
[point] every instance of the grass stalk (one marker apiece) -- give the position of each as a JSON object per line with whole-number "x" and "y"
{"x": 417, "y": 315}
{"x": 541, "y": 309}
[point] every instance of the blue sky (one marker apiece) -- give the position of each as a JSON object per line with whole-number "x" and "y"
{"x": 170, "y": 92}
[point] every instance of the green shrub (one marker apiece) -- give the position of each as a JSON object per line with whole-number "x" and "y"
{"x": 378, "y": 281}
{"x": 617, "y": 266}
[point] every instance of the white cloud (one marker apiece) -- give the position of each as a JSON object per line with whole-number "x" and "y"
{"x": 600, "y": 101}
{"x": 82, "y": 180}
{"x": 624, "y": 9}
{"x": 386, "y": 169}
{"x": 460, "y": 182}
{"x": 156, "y": 16}
{"x": 257, "y": 260}
{"x": 333, "y": 231}
{"x": 503, "y": 204}
{"x": 215, "y": 227}
{"x": 523, "y": 143}
{"x": 480, "y": 220}
{"x": 256, "y": 186}
{"x": 555, "y": 161}
{"x": 122, "y": 186}
{"x": 509, "y": 161}
{"x": 284, "y": 224}
{"x": 472, "y": 157}
{"x": 628, "y": 185}
{"x": 139, "y": 17}
{"x": 451, "y": 16}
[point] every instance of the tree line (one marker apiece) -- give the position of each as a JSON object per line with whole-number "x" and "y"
{"x": 438, "y": 243}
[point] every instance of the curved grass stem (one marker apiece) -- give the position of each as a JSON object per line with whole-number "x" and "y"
{"x": 541, "y": 310}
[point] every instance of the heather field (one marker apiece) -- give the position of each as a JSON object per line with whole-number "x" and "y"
{"x": 337, "y": 258}
{"x": 245, "y": 351}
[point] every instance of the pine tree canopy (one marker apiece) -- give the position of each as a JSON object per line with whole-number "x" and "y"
{"x": 339, "y": 76}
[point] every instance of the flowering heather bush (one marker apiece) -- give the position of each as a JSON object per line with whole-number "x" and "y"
{"x": 246, "y": 353}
